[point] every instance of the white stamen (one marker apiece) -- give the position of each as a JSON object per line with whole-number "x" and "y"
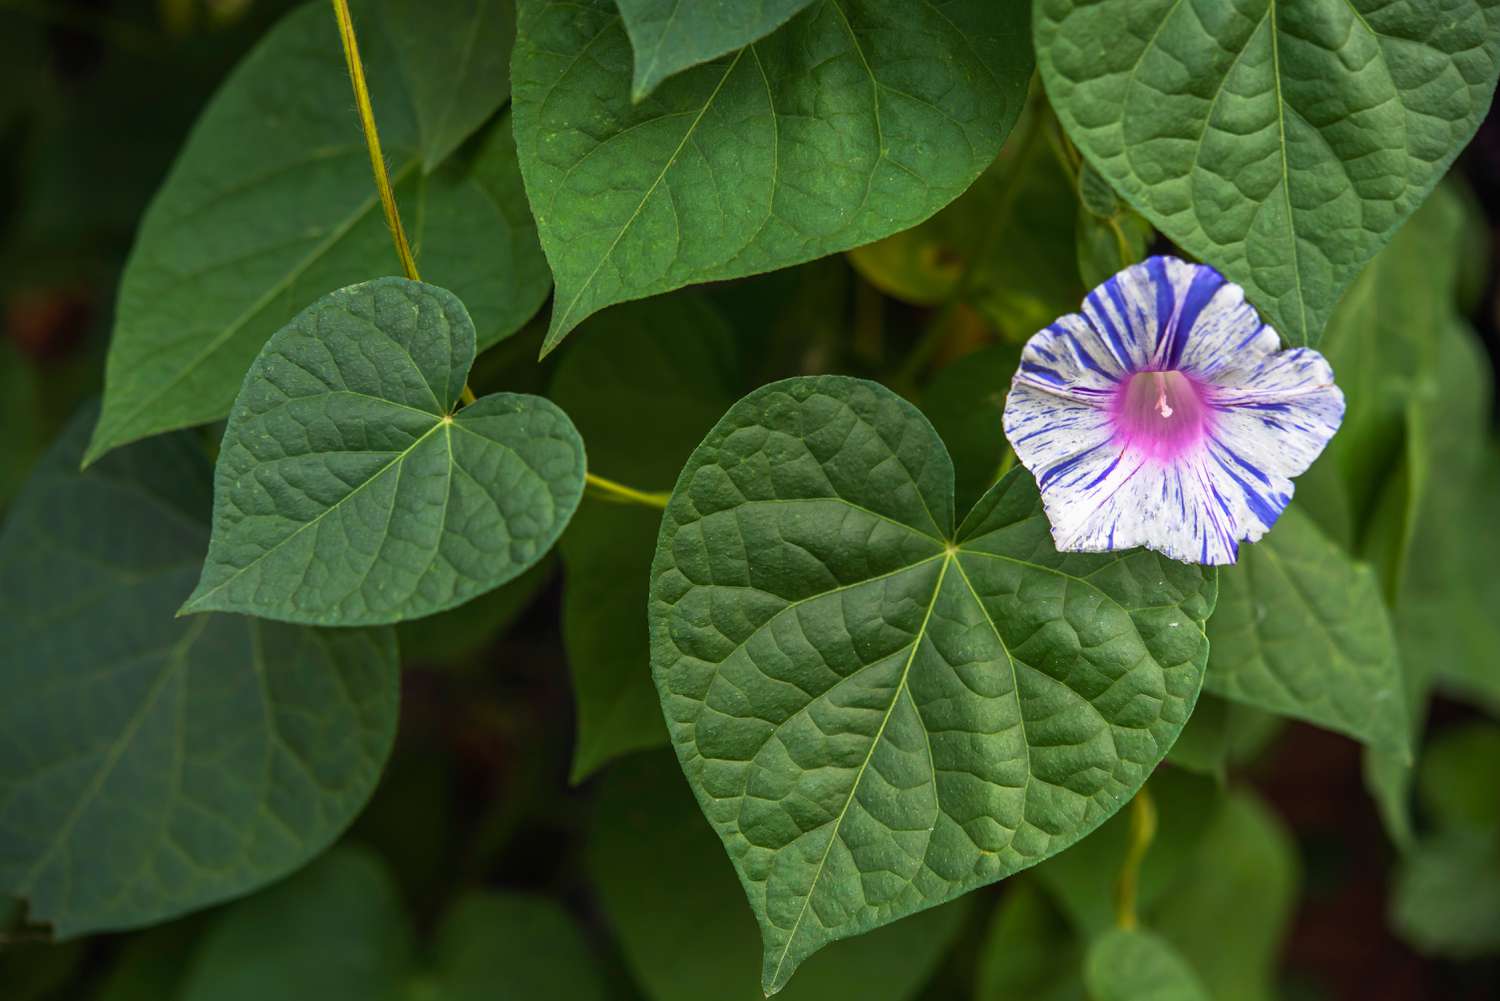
{"x": 1162, "y": 407}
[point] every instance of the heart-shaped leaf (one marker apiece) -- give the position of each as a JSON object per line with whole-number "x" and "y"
{"x": 151, "y": 765}
{"x": 857, "y": 119}
{"x": 668, "y": 36}
{"x": 879, "y": 712}
{"x": 270, "y": 205}
{"x": 1139, "y": 966}
{"x": 1282, "y": 142}
{"x": 347, "y": 491}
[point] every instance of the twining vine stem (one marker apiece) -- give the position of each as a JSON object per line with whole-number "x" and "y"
{"x": 604, "y": 489}
{"x": 1142, "y": 831}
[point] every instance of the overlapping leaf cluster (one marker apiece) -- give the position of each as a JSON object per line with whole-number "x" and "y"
{"x": 884, "y": 686}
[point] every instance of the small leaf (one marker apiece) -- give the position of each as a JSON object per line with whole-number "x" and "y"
{"x": 669, "y": 36}
{"x": 1447, "y": 895}
{"x": 1139, "y": 966}
{"x": 1281, "y": 142}
{"x": 878, "y": 711}
{"x": 1004, "y": 246}
{"x": 1301, "y": 630}
{"x": 1095, "y": 194}
{"x": 646, "y": 824}
{"x": 1457, "y": 777}
{"x": 965, "y": 402}
{"x": 150, "y": 765}
{"x": 1222, "y": 733}
{"x": 348, "y": 493}
{"x": 854, "y": 121}
{"x": 1029, "y": 952}
{"x": 270, "y": 204}
{"x": 455, "y": 58}
{"x": 1105, "y": 246}
{"x": 1237, "y": 883}
{"x": 668, "y": 363}
{"x": 338, "y": 932}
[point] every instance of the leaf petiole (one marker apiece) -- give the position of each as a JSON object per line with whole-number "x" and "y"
{"x": 1142, "y": 831}
{"x": 619, "y": 493}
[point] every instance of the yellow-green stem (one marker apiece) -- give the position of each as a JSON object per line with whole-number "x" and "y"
{"x": 372, "y": 138}
{"x": 1142, "y": 831}
{"x": 377, "y": 158}
{"x": 621, "y": 494}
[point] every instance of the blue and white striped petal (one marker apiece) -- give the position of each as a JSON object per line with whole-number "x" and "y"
{"x": 1165, "y": 415}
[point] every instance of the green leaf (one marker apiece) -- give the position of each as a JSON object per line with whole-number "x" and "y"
{"x": 338, "y": 932}
{"x": 1301, "y": 630}
{"x": 879, "y": 712}
{"x": 647, "y": 825}
{"x": 1281, "y": 142}
{"x": 455, "y": 60}
{"x": 348, "y": 492}
{"x": 1383, "y": 340}
{"x": 1005, "y": 246}
{"x": 857, "y": 119}
{"x": 1139, "y": 966}
{"x": 1029, "y": 952}
{"x": 335, "y": 931}
{"x": 1457, "y": 777}
{"x": 1439, "y": 542}
{"x": 1447, "y": 895}
{"x": 1107, "y": 245}
{"x": 152, "y": 765}
{"x": 1222, "y": 733}
{"x": 1236, "y": 883}
{"x": 148, "y": 965}
{"x": 669, "y": 36}
{"x": 965, "y": 402}
{"x": 271, "y": 204}
{"x": 668, "y": 363}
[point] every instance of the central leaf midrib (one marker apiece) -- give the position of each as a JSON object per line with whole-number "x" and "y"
{"x": 937, "y": 589}
{"x": 560, "y": 321}
{"x": 176, "y": 659}
{"x": 953, "y": 555}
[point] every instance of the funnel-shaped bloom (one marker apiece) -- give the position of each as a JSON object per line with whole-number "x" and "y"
{"x": 1165, "y": 415}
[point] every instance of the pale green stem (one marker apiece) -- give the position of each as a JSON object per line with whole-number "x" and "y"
{"x": 1142, "y": 831}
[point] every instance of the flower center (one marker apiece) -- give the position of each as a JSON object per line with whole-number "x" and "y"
{"x": 1161, "y": 414}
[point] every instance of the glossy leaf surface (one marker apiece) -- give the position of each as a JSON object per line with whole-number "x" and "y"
{"x": 857, "y": 119}
{"x": 1282, "y": 142}
{"x": 879, "y": 710}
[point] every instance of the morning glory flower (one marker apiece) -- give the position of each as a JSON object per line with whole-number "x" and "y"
{"x": 1165, "y": 415}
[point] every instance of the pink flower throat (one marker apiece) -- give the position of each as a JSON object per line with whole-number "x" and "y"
{"x": 1161, "y": 414}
